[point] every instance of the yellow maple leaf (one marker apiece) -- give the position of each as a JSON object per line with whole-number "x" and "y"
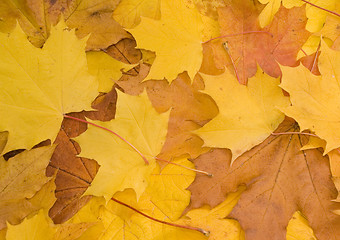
{"x": 106, "y": 69}
{"x": 21, "y": 177}
{"x": 176, "y": 38}
{"x": 316, "y": 17}
{"x": 116, "y": 221}
{"x": 37, "y": 86}
{"x": 315, "y": 99}
{"x": 247, "y": 115}
{"x": 122, "y": 167}
{"x": 128, "y": 13}
{"x": 329, "y": 32}
{"x": 214, "y": 220}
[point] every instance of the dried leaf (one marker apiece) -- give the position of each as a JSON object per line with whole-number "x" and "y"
{"x": 280, "y": 180}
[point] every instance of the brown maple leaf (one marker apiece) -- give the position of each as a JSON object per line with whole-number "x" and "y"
{"x": 280, "y": 180}
{"x": 279, "y": 42}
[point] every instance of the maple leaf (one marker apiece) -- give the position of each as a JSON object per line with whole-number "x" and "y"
{"x": 316, "y": 16}
{"x": 87, "y": 16}
{"x": 106, "y": 69}
{"x": 280, "y": 180}
{"x": 121, "y": 166}
{"x": 51, "y": 81}
{"x": 95, "y": 17}
{"x": 214, "y": 220}
{"x": 116, "y": 221}
{"x": 176, "y": 39}
{"x": 247, "y": 115}
{"x": 329, "y": 32}
{"x": 75, "y": 174}
{"x": 21, "y": 177}
{"x": 279, "y": 42}
{"x": 160, "y": 192}
{"x": 166, "y": 193}
{"x": 129, "y": 12}
{"x": 315, "y": 99}
{"x": 189, "y": 109}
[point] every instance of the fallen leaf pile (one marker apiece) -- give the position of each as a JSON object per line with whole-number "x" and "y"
{"x": 170, "y": 119}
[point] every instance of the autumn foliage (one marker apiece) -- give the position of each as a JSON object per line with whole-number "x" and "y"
{"x": 170, "y": 119}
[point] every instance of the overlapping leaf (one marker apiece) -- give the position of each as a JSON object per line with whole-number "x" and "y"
{"x": 280, "y": 180}
{"x": 176, "y": 39}
{"x": 329, "y": 32}
{"x": 37, "y": 86}
{"x": 316, "y": 16}
{"x": 247, "y": 115}
{"x": 106, "y": 69}
{"x": 21, "y": 178}
{"x": 121, "y": 166}
{"x": 281, "y": 176}
{"x": 95, "y": 17}
{"x": 189, "y": 109}
{"x": 315, "y": 99}
{"x": 32, "y": 17}
{"x": 248, "y": 44}
{"x": 119, "y": 222}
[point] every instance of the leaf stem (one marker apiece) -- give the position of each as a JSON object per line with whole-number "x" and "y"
{"x": 106, "y": 129}
{"x": 304, "y": 52}
{"x": 206, "y": 233}
{"x": 315, "y": 58}
{"x": 336, "y": 14}
{"x": 225, "y": 45}
{"x": 235, "y": 34}
{"x": 298, "y": 133}
{"x": 192, "y": 169}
